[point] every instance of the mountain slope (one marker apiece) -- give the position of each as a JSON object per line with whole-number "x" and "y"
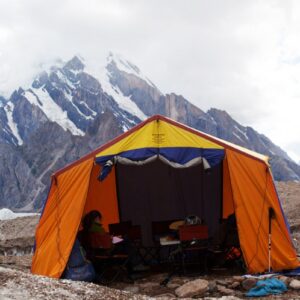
{"x": 74, "y": 107}
{"x": 216, "y": 122}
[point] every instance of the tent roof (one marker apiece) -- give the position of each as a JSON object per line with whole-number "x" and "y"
{"x": 211, "y": 138}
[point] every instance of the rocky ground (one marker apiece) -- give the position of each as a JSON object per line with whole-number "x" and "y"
{"x": 289, "y": 193}
{"x": 21, "y": 285}
{"x": 16, "y": 282}
{"x": 17, "y": 235}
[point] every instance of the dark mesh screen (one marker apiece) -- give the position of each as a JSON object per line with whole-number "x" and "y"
{"x": 157, "y": 192}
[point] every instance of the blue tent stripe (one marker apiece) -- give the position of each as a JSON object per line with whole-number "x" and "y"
{"x": 179, "y": 155}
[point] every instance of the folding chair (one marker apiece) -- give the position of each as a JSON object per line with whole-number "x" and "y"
{"x": 120, "y": 229}
{"x": 194, "y": 242}
{"x": 135, "y": 235}
{"x": 159, "y": 230}
{"x": 108, "y": 264}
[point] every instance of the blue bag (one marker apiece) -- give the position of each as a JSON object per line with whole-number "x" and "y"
{"x": 78, "y": 268}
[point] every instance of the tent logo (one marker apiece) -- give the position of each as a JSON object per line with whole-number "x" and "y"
{"x": 158, "y": 138}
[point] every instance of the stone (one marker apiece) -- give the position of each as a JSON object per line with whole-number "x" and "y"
{"x": 157, "y": 291}
{"x": 196, "y": 287}
{"x": 171, "y": 285}
{"x": 223, "y": 298}
{"x": 225, "y": 291}
{"x": 295, "y": 284}
{"x": 229, "y": 298}
{"x": 238, "y": 278}
{"x": 234, "y": 285}
{"x": 149, "y": 284}
{"x": 249, "y": 283}
{"x": 177, "y": 280}
{"x": 212, "y": 286}
{"x": 132, "y": 289}
{"x": 166, "y": 296}
{"x": 284, "y": 279}
{"x": 222, "y": 282}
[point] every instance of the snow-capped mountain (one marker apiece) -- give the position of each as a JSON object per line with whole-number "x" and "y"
{"x": 72, "y": 107}
{"x": 68, "y": 96}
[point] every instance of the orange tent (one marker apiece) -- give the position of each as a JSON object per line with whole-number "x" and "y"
{"x": 240, "y": 182}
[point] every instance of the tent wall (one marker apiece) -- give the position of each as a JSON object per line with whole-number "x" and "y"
{"x": 59, "y": 223}
{"x": 102, "y": 196}
{"x": 253, "y": 193}
{"x": 228, "y": 204}
{"x": 157, "y": 192}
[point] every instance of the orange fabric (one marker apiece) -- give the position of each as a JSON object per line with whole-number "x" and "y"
{"x": 57, "y": 229}
{"x": 254, "y": 192}
{"x": 102, "y": 196}
{"x": 228, "y": 205}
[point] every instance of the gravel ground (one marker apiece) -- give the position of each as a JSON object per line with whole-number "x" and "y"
{"x": 20, "y": 285}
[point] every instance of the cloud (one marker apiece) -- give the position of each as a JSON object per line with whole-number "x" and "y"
{"x": 241, "y": 56}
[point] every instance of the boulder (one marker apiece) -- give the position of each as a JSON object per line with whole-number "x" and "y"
{"x": 295, "y": 284}
{"x": 223, "y": 282}
{"x": 149, "y": 284}
{"x": 212, "y": 286}
{"x": 165, "y": 296}
{"x": 249, "y": 283}
{"x": 225, "y": 291}
{"x": 196, "y": 287}
{"x": 229, "y": 298}
{"x": 172, "y": 285}
{"x": 223, "y": 298}
{"x": 234, "y": 285}
{"x": 238, "y": 278}
{"x": 132, "y": 289}
{"x": 284, "y": 279}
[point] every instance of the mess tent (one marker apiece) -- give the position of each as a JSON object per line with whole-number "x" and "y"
{"x": 162, "y": 170}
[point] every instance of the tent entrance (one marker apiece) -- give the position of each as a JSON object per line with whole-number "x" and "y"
{"x": 158, "y": 192}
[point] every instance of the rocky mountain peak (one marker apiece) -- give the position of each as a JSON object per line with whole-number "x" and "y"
{"x": 2, "y": 101}
{"x": 122, "y": 63}
{"x": 227, "y": 125}
{"x": 75, "y": 64}
{"x": 221, "y": 115}
{"x": 40, "y": 80}
{"x": 116, "y": 61}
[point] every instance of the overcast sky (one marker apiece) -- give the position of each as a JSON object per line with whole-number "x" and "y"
{"x": 241, "y": 56}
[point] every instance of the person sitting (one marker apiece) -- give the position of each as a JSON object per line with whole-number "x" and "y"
{"x": 92, "y": 222}
{"x": 94, "y": 238}
{"x": 97, "y": 241}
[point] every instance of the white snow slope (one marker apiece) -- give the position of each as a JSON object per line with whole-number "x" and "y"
{"x": 7, "y": 214}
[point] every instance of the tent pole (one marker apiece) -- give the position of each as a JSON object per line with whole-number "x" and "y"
{"x": 271, "y": 216}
